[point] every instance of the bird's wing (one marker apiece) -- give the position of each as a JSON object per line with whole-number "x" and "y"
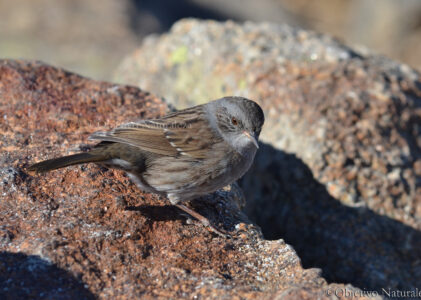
{"x": 186, "y": 132}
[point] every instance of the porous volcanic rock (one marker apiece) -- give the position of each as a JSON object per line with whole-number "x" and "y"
{"x": 340, "y": 175}
{"x": 86, "y": 232}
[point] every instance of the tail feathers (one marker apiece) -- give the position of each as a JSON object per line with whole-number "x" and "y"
{"x": 65, "y": 161}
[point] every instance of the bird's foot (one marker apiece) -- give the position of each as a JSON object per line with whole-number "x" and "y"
{"x": 205, "y": 222}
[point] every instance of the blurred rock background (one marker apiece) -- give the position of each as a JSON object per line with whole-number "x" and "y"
{"x": 91, "y": 37}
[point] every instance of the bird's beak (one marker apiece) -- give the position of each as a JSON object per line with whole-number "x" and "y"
{"x": 252, "y": 138}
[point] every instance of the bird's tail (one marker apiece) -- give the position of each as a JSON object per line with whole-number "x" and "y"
{"x": 65, "y": 161}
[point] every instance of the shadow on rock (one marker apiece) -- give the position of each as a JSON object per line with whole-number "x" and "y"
{"x": 157, "y": 213}
{"x": 350, "y": 244}
{"x": 222, "y": 213}
{"x": 30, "y": 277}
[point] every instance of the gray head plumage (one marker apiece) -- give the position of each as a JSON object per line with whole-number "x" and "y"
{"x": 239, "y": 120}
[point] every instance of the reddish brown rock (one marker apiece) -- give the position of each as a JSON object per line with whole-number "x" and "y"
{"x": 87, "y": 232}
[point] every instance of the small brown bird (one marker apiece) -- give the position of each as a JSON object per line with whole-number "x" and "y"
{"x": 183, "y": 155}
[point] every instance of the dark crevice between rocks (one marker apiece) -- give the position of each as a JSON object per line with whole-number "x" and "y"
{"x": 142, "y": 10}
{"x": 31, "y": 277}
{"x": 350, "y": 244}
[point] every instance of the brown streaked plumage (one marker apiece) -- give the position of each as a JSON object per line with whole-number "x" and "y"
{"x": 183, "y": 155}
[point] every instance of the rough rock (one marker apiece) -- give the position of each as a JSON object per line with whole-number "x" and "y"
{"x": 87, "y": 232}
{"x": 339, "y": 177}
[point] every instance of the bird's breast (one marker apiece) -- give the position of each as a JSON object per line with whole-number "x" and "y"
{"x": 190, "y": 178}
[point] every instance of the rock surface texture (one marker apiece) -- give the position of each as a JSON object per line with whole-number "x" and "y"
{"x": 339, "y": 173}
{"x": 87, "y": 232}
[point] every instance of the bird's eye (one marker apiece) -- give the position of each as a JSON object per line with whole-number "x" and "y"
{"x": 234, "y": 121}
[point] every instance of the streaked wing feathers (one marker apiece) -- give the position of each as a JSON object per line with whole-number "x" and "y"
{"x": 186, "y": 132}
{"x": 137, "y": 134}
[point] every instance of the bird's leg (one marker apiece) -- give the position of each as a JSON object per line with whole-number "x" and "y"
{"x": 201, "y": 218}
